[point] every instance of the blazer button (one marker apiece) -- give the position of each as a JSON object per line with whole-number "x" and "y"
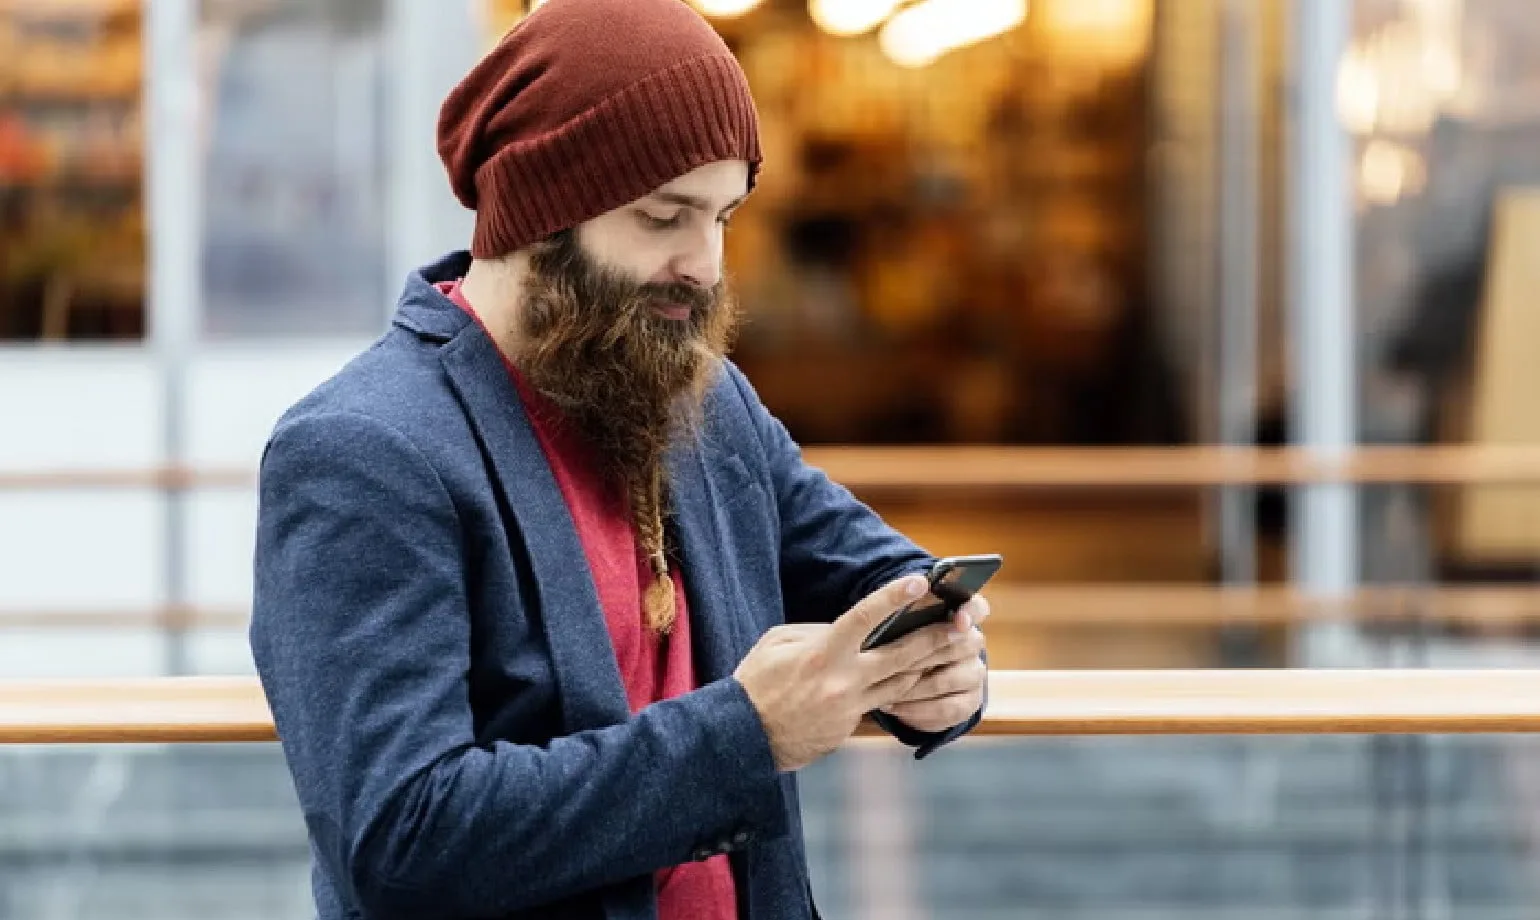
{"x": 741, "y": 838}
{"x": 702, "y": 854}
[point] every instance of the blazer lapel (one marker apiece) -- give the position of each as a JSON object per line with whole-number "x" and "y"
{"x": 716, "y": 611}
{"x": 588, "y": 678}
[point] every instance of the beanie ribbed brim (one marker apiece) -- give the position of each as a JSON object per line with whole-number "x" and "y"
{"x": 678, "y": 119}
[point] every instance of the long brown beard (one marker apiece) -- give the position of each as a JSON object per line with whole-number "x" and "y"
{"x": 627, "y": 380}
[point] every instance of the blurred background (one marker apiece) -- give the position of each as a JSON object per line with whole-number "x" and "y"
{"x": 1019, "y": 226}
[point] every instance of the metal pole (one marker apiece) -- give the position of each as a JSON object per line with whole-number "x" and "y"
{"x": 1324, "y": 550}
{"x": 173, "y": 181}
{"x": 1239, "y": 126}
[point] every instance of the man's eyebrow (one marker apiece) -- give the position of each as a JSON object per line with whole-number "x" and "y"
{"x": 691, "y": 201}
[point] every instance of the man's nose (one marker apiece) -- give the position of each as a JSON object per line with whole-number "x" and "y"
{"x": 702, "y": 265}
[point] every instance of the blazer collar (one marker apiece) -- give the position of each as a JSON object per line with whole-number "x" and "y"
{"x": 423, "y": 308}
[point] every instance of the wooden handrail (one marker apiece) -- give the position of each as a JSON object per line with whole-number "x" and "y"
{"x": 869, "y": 469}
{"x": 182, "y": 709}
{"x": 155, "y": 618}
{"x": 1139, "y": 702}
{"x": 160, "y": 479}
{"x": 874, "y": 468}
{"x": 1206, "y": 605}
{"x": 1037, "y": 605}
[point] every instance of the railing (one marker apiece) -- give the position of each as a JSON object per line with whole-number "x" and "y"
{"x": 1036, "y": 605}
{"x": 866, "y": 469}
{"x": 1022, "y": 702}
{"x": 879, "y": 470}
{"x": 1137, "y": 702}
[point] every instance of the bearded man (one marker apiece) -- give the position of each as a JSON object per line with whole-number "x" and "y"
{"x": 549, "y": 609}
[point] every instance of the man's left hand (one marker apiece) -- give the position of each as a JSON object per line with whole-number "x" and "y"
{"x": 952, "y": 688}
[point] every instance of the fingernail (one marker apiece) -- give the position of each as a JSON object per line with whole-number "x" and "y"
{"x": 915, "y": 587}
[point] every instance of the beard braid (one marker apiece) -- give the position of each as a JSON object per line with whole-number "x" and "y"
{"x": 628, "y": 381}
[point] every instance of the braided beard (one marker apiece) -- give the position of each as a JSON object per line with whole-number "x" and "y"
{"x": 627, "y": 380}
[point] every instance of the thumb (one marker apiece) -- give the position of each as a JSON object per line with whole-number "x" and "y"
{"x": 852, "y": 628}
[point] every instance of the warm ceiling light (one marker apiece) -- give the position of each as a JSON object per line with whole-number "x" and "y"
{"x": 849, "y": 17}
{"x": 725, "y": 9}
{"x": 919, "y": 34}
{"x": 1358, "y": 93}
{"x": 1112, "y": 31}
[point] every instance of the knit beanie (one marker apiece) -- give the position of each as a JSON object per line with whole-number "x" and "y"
{"x": 586, "y": 105}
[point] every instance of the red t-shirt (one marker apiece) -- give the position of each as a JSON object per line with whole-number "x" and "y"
{"x": 651, "y": 667}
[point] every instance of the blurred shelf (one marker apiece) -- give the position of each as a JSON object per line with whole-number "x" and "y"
{"x": 12, "y": 94}
{"x": 69, "y": 10}
{"x": 128, "y": 180}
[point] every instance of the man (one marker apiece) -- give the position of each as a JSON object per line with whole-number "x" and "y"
{"x": 548, "y": 608}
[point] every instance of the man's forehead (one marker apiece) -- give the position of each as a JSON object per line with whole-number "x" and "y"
{"x": 713, "y": 186}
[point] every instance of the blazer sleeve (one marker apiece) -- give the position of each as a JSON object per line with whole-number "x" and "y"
{"x": 835, "y": 550}
{"x": 362, "y": 640}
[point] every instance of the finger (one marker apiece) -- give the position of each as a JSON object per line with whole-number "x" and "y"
{"x": 936, "y": 715}
{"x": 977, "y": 608}
{"x": 970, "y": 647}
{"x": 852, "y": 628}
{"x": 894, "y": 689}
{"x": 906, "y": 654}
{"x": 962, "y": 677}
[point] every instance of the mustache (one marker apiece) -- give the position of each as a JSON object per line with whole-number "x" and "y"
{"x": 675, "y": 293}
{"x": 697, "y": 298}
{"x": 636, "y": 304}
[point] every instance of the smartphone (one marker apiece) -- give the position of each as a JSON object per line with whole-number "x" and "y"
{"x": 953, "y": 581}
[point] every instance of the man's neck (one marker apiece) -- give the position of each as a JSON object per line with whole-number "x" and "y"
{"x": 492, "y": 288}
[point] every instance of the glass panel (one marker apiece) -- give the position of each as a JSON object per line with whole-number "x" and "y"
{"x": 1442, "y": 98}
{"x": 1223, "y": 828}
{"x": 293, "y": 194}
{"x": 72, "y": 248}
{"x": 145, "y": 832}
{"x": 1008, "y": 829}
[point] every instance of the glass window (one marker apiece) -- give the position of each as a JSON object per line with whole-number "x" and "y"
{"x": 1442, "y": 98}
{"x": 72, "y": 249}
{"x": 293, "y": 180}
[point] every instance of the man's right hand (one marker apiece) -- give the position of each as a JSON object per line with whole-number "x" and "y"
{"x": 811, "y": 683}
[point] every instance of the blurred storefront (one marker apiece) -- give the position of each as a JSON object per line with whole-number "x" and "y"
{"x": 72, "y": 221}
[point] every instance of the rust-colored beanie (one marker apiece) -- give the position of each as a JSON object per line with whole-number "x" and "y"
{"x": 586, "y": 105}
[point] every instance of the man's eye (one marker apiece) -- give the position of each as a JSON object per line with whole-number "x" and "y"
{"x": 659, "y": 223}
